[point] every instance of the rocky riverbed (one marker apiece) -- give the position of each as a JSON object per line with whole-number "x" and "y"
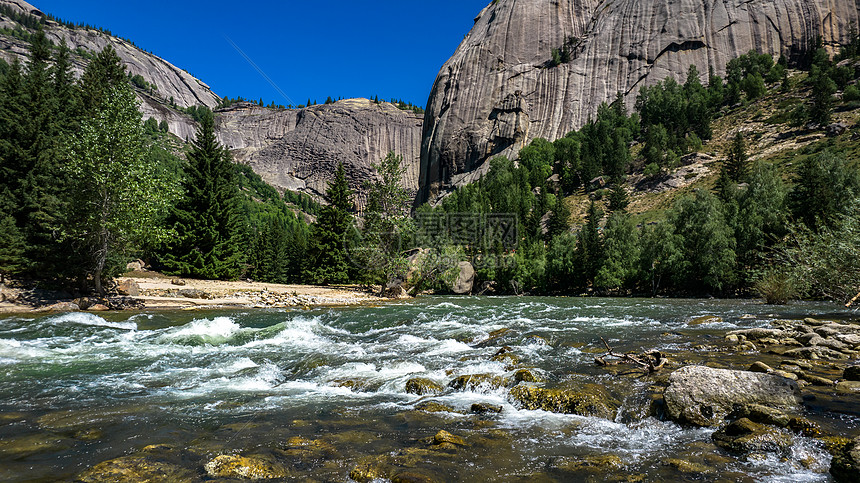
{"x": 437, "y": 390}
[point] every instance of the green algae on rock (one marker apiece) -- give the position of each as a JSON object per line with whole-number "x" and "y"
{"x": 255, "y": 467}
{"x": 589, "y": 400}
{"x": 744, "y": 437}
{"x": 422, "y": 386}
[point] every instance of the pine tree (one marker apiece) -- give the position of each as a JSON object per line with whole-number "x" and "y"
{"x": 102, "y": 74}
{"x": 619, "y": 199}
{"x": 12, "y": 258}
{"x": 823, "y": 89}
{"x": 208, "y": 242}
{"x": 328, "y": 260}
{"x": 589, "y": 250}
{"x": 736, "y": 163}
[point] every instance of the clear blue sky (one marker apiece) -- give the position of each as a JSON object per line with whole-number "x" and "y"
{"x": 310, "y": 49}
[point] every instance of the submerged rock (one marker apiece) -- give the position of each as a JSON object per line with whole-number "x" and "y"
{"x": 704, "y": 396}
{"x": 484, "y": 408}
{"x": 689, "y": 467}
{"x": 744, "y": 436}
{"x": 247, "y": 467}
{"x": 595, "y": 463}
{"x": 434, "y": 407}
{"x": 137, "y": 468}
{"x": 23, "y": 446}
{"x": 845, "y": 466}
{"x": 590, "y": 400}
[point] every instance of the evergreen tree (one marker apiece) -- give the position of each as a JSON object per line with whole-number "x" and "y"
{"x": 208, "y": 241}
{"x": 561, "y": 268}
{"x": 662, "y": 256}
{"x": 619, "y": 200}
{"x": 102, "y": 74}
{"x": 707, "y": 239}
{"x": 824, "y": 188}
{"x": 118, "y": 195}
{"x": 328, "y": 261}
{"x": 736, "y": 162}
{"x": 763, "y": 214}
{"x": 12, "y": 259}
{"x": 589, "y": 250}
{"x": 823, "y": 89}
{"x": 620, "y": 257}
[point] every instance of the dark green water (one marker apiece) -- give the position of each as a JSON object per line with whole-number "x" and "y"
{"x": 79, "y": 389}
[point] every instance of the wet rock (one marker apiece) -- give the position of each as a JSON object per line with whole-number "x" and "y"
{"x": 246, "y": 467}
{"x": 98, "y": 308}
{"x": 831, "y": 330}
{"x": 810, "y": 339}
{"x": 484, "y": 408}
{"x": 774, "y": 417}
{"x": 422, "y": 386}
{"x": 128, "y": 288}
{"x": 509, "y": 359}
{"x": 413, "y": 477}
{"x": 815, "y": 380}
{"x": 357, "y": 385}
{"x": 525, "y": 375}
{"x": 744, "y": 436}
{"x": 137, "y": 468}
{"x": 814, "y": 322}
{"x": 590, "y": 400}
{"x": 372, "y": 468}
{"x": 595, "y": 463}
{"x": 758, "y": 333}
{"x": 534, "y": 340}
{"x": 707, "y": 319}
{"x": 434, "y": 407}
{"x": 443, "y": 437}
{"x": 24, "y": 446}
{"x": 478, "y": 381}
{"x": 309, "y": 449}
{"x": 800, "y": 363}
{"x": 851, "y": 373}
{"x": 848, "y": 387}
{"x": 704, "y": 396}
{"x": 845, "y": 466}
{"x": 835, "y": 345}
{"x": 815, "y": 353}
{"x": 760, "y": 367}
{"x": 785, "y": 374}
{"x": 688, "y": 467}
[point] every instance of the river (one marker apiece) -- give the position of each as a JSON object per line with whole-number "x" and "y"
{"x": 322, "y": 391}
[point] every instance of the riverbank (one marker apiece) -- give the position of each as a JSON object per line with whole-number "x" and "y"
{"x": 154, "y": 291}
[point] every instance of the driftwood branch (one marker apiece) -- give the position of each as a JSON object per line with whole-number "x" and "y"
{"x": 851, "y": 302}
{"x": 651, "y": 361}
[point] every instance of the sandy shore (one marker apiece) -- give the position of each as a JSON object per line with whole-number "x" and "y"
{"x": 152, "y": 291}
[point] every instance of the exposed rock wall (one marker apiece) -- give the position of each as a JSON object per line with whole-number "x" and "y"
{"x": 500, "y": 90}
{"x": 299, "y": 149}
{"x": 185, "y": 89}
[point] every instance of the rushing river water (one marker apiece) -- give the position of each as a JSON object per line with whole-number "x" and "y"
{"x": 79, "y": 389}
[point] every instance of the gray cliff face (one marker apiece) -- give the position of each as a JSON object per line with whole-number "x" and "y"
{"x": 499, "y": 90}
{"x": 171, "y": 81}
{"x": 299, "y": 149}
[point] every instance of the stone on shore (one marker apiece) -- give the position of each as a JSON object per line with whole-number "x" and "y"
{"x": 129, "y": 288}
{"x": 704, "y": 396}
{"x": 465, "y": 280}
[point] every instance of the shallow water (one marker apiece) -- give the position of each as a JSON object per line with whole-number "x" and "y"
{"x": 104, "y": 386}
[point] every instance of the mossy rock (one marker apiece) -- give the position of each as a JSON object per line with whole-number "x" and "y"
{"x": 484, "y": 408}
{"x": 744, "y": 436}
{"x": 845, "y": 466}
{"x": 434, "y": 407}
{"x": 422, "y": 386}
{"x": 474, "y": 381}
{"x": 246, "y": 467}
{"x": 589, "y": 400}
{"x": 413, "y": 477}
{"x": 509, "y": 359}
{"x": 372, "y": 468}
{"x": 595, "y": 463}
{"x": 446, "y": 437}
{"x": 688, "y": 467}
{"x": 137, "y": 468}
{"x": 24, "y": 446}
{"x": 526, "y": 375}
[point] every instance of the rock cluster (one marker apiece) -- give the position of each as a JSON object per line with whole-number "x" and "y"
{"x": 502, "y": 87}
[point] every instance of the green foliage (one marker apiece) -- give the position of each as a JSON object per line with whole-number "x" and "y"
{"x": 824, "y": 187}
{"x": 824, "y": 263}
{"x": 620, "y": 257}
{"x": 206, "y": 220}
{"x": 747, "y": 74}
{"x": 328, "y": 261}
{"x": 736, "y": 163}
{"x": 12, "y": 260}
{"x": 589, "y": 247}
{"x": 662, "y": 256}
{"x": 851, "y": 94}
{"x": 386, "y": 224}
{"x": 823, "y": 88}
{"x": 561, "y": 263}
{"x": 707, "y": 239}
{"x": 118, "y": 195}
{"x": 776, "y": 286}
{"x": 762, "y": 216}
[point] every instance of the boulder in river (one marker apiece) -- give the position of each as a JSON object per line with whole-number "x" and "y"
{"x": 143, "y": 468}
{"x": 845, "y": 466}
{"x": 589, "y": 400}
{"x": 744, "y": 437}
{"x": 704, "y": 396}
{"x": 422, "y": 386}
{"x": 247, "y": 467}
